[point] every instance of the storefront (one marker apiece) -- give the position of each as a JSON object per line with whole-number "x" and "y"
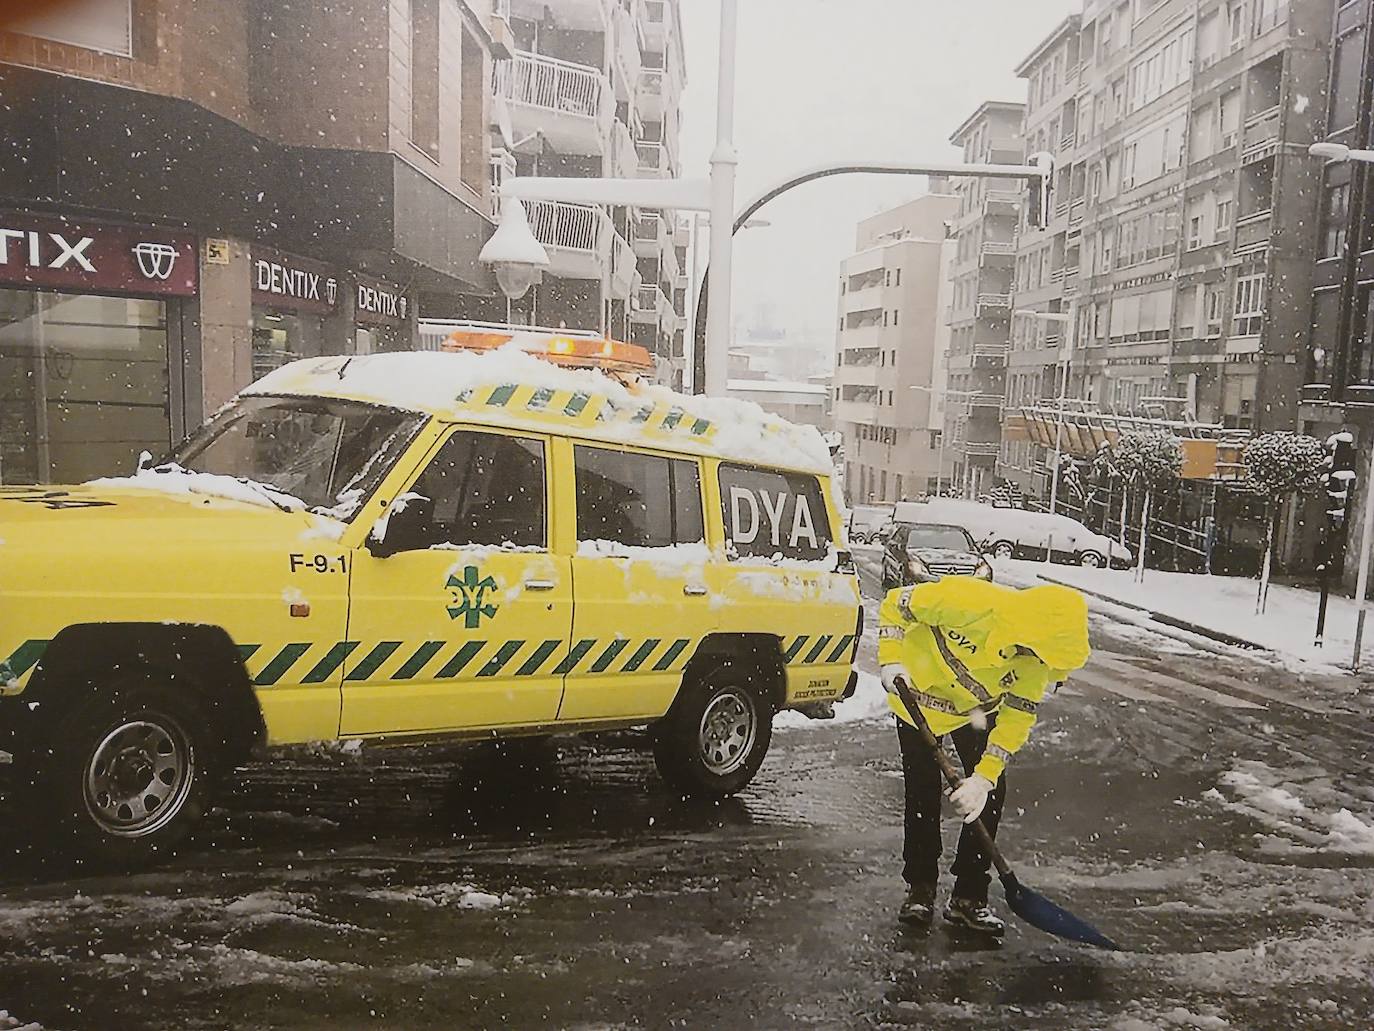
{"x": 382, "y": 317}
{"x": 295, "y": 309}
{"x": 90, "y": 345}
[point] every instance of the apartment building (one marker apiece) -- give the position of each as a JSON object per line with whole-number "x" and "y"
{"x": 193, "y": 193}
{"x": 892, "y": 335}
{"x": 592, "y": 89}
{"x": 1181, "y": 241}
{"x": 980, "y": 302}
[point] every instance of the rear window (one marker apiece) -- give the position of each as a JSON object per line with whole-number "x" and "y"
{"x": 769, "y": 513}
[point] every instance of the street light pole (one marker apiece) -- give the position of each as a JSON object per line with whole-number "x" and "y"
{"x": 723, "y": 164}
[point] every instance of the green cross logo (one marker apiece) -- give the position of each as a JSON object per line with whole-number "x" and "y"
{"x": 469, "y": 597}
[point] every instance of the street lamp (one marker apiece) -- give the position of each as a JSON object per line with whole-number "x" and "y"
{"x": 1067, "y": 319}
{"x": 1340, "y": 152}
{"x": 517, "y": 257}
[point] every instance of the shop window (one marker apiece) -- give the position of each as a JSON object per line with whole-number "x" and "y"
{"x": 83, "y": 385}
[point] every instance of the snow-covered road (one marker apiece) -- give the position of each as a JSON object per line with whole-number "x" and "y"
{"x": 1212, "y": 813}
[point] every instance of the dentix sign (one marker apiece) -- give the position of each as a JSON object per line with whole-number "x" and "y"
{"x": 52, "y": 252}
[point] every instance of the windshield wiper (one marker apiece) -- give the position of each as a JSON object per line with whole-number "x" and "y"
{"x": 264, "y": 491}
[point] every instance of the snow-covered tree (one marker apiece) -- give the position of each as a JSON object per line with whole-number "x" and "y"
{"x": 1278, "y": 466}
{"x": 1152, "y": 459}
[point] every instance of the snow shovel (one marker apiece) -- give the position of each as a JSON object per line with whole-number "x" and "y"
{"x": 1029, "y": 905}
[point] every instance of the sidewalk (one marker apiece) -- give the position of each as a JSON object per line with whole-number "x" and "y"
{"x": 1222, "y": 608}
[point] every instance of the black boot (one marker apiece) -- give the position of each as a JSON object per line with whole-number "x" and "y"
{"x": 974, "y": 915}
{"x": 919, "y": 908}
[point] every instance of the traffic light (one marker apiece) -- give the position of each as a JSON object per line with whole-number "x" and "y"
{"x": 1338, "y": 476}
{"x": 1041, "y": 191}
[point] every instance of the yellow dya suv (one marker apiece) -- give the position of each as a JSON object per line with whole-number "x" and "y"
{"x": 407, "y": 545}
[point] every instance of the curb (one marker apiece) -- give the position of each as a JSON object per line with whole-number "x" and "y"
{"x": 1178, "y": 624}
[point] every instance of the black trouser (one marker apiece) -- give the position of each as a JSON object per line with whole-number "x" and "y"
{"x": 924, "y": 788}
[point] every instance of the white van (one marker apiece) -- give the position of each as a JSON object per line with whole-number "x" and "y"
{"x": 1017, "y": 533}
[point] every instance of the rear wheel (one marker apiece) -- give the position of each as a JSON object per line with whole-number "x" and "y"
{"x": 713, "y": 741}
{"x": 129, "y": 775}
{"x": 1003, "y": 549}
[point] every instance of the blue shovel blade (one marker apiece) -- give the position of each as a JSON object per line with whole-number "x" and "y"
{"x": 1044, "y": 915}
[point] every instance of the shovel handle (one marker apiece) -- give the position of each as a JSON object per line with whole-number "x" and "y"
{"x": 953, "y": 775}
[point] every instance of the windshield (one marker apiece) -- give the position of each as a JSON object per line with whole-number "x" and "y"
{"x": 950, "y": 538}
{"x": 330, "y": 454}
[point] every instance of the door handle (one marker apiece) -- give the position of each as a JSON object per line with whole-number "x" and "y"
{"x": 540, "y": 585}
{"x": 694, "y": 590}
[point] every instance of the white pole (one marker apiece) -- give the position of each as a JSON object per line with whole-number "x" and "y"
{"x": 1366, "y": 536}
{"x": 1059, "y": 421}
{"x": 723, "y": 162}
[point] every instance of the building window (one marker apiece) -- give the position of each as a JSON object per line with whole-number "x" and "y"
{"x": 1230, "y": 118}
{"x": 1362, "y": 361}
{"x": 899, "y": 277}
{"x": 1225, "y": 204}
{"x": 424, "y": 76}
{"x": 1249, "y": 313}
{"x": 472, "y": 155}
{"x": 1345, "y": 80}
{"x": 103, "y": 25}
{"x": 1214, "y": 306}
{"x": 1235, "y": 18}
{"x": 1326, "y": 313}
{"x": 1335, "y": 211}
{"x": 896, "y": 314}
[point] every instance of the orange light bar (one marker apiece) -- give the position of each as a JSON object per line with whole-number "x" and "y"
{"x": 572, "y": 352}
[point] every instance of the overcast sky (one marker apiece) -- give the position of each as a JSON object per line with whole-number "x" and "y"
{"x": 823, "y": 80}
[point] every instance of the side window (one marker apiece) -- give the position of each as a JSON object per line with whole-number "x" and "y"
{"x": 770, "y": 513}
{"x": 639, "y": 501}
{"x": 689, "y": 526}
{"x": 486, "y": 489}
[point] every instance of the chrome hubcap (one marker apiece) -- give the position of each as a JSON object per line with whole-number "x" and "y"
{"x": 1092, "y": 561}
{"x": 139, "y": 776}
{"x": 1002, "y": 551}
{"x": 728, "y": 729}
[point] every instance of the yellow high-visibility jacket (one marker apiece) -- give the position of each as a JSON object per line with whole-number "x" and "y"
{"x": 960, "y": 642}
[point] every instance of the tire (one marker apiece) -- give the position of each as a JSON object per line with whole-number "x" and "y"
{"x": 130, "y": 773}
{"x": 714, "y": 739}
{"x": 1091, "y": 560}
{"x": 1004, "y": 549}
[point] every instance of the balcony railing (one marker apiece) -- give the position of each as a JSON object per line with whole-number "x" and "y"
{"x": 653, "y": 159}
{"x": 1261, "y": 134}
{"x": 994, "y": 300}
{"x": 569, "y": 227}
{"x": 999, "y": 247}
{"x": 1252, "y": 232}
{"x": 547, "y": 82}
{"x": 1004, "y": 197}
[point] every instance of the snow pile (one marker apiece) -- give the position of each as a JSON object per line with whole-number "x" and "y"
{"x": 9, "y": 1023}
{"x": 1226, "y": 605}
{"x": 434, "y": 381}
{"x": 456, "y": 896}
{"x": 869, "y": 702}
{"x": 1322, "y": 821}
{"x": 173, "y": 479}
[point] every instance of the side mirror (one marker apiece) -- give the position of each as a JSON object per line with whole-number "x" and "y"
{"x": 403, "y": 527}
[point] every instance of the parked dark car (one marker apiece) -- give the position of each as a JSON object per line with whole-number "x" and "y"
{"x": 918, "y": 551}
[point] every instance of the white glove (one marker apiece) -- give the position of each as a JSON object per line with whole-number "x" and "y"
{"x": 889, "y": 674}
{"x": 971, "y": 796}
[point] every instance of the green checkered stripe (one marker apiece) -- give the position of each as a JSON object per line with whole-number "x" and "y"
{"x": 305, "y": 662}
{"x": 807, "y": 651}
{"x": 398, "y": 661}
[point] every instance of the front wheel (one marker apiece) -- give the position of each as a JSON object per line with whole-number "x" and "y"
{"x": 1003, "y": 549}
{"x": 1091, "y": 560}
{"x": 713, "y": 741}
{"x": 128, "y": 777}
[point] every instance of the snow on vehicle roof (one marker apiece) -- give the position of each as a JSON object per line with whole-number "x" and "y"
{"x": 513, "y": 388}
